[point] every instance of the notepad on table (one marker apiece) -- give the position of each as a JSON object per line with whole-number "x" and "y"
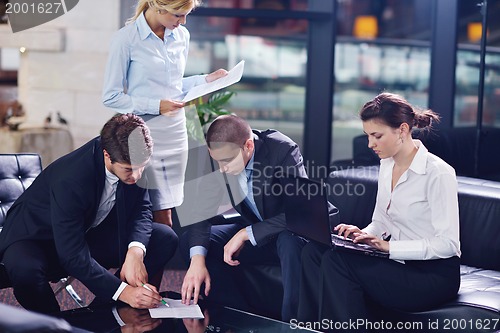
{"x": 176, "y": 310}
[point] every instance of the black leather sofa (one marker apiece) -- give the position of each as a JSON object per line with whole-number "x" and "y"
{"x": 477, "y": 307}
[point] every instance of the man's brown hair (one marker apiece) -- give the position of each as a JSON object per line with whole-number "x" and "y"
{"x": 127, "y": 140}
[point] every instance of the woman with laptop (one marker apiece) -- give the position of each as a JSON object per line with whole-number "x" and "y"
{"x": 415, "y": 220}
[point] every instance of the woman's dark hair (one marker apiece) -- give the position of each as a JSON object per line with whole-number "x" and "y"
{"x": 228, "y": 129}
{"x": 127, "y": 140}
{"x": 394, "y": 110}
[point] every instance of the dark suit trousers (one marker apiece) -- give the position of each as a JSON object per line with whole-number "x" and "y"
{"x": 226, "y": 286}
{"x": 335, "y": 285}
{"x": 31, "y": 264}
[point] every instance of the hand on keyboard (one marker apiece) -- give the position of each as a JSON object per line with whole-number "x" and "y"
{"x": 343, "y": 239}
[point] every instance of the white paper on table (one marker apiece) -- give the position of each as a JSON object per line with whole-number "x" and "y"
{"x": 176, "y": 310}
{"x": 233, "y": 76}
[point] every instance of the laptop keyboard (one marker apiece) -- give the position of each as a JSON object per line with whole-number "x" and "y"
{"x": 336, "y": 239}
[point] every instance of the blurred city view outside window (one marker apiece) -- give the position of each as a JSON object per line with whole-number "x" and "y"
{"x": 381, "y": 45}
{"x": 271, "y": 93}
{"x": 258, "y": 4}
{"x": 468, "y": 58}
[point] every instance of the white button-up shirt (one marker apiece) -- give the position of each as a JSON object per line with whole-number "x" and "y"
{"x": 421, "y": 213}
{"x": 108, "y": 198}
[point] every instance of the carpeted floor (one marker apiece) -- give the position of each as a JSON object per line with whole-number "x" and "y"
{"x": 171, "y": 281}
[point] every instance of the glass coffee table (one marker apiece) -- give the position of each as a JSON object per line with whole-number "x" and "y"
{"x": 218, "y": 319}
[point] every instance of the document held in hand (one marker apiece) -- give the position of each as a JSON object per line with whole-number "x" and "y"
{"x": 176, "y": 309}
{"x": 233, "y": 76}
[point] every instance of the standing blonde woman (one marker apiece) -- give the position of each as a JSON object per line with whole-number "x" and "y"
{"x": 145, "y": 76}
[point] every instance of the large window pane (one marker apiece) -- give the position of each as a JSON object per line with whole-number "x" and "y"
{"x": 271, "y": 93}
{"x": 382, "y": 45}
{"x": 468, "y": 63}
{"x": 258, "y": 4}
{"x": 402, "y": 19}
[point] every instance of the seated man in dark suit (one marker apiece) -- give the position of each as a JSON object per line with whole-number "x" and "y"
{"x": 84, "y": 214}
{"x": 249, "y": 163}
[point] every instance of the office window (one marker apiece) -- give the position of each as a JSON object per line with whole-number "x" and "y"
{"x": 271, "y": 93}
{"x": 258, "y": 4}
{"x": 468, "y": 64}
{"x": 381, "y": 46}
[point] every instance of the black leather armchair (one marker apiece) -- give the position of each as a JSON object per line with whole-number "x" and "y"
{"x": 17, "y": 172}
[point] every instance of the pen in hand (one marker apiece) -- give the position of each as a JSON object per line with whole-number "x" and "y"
{"x": 162, "y": 300}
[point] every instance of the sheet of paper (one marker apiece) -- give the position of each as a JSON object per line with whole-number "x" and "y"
{"x": 176, "y": 310}
{"x": 233, "y": 76}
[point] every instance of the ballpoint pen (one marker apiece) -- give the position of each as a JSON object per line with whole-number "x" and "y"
{"x": 162, "y": 300}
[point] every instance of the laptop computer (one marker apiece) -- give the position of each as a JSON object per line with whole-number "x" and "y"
{"x": 306, "y": 212}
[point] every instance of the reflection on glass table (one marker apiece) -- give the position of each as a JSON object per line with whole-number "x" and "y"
{"x": 119, "y": 317}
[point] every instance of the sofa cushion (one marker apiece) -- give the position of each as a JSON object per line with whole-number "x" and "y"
{"x": 479, "y": 279}
{"x": 479, "y": 288}
{"x": 354, "y": 192}
{"x": 479, "y": 208}
{"x": 450, "y": 317}
{"x": 17, "y": 172}
{"x": 361, "y": 153}
{"x": 457, "y": 146}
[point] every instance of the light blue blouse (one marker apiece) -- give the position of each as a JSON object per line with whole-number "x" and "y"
{"x": 143, "y": 69}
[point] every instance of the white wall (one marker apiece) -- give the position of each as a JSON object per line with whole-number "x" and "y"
{"x": 63, "y": 67}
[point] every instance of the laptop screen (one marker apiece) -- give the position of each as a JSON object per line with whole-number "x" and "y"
{"x": 306, "y": 212}
{"x": 306, "y": 208}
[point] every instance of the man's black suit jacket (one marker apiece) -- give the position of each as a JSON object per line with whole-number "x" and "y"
{"x": 276, "y": 155}
{"x": 62, "y": 203}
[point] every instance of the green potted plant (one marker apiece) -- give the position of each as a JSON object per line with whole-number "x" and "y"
{"x": 206, "y": 112}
